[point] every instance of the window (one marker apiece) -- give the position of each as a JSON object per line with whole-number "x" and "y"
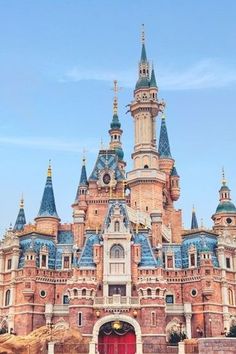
{"x": 79, "y": 319}
{"x": 95, "y": 212}
{"x": 149, "y": 292}
{"x": 117, "y": 251}
{"x": 169, "y": 261}
{"x": 83, "y": 292}
{"x": 230, "y": 297}
{"x": 65, "y": 299}
{"x": 117, "y": 289}
{"x": 117, "y": 226}
{"x": 228, "y": 262}
{"x": 153, "y": 318}
{"x": 9, "y": 263}
{"x": 7, "y": 297}
{"x": 193, "y": 292}
{"x": 44, "y": 260}
{"x": 169, "y": 299}
{"x": 43, "y": 293}
{"x": 66, "y": 262}
{"x": 192, "y": 260}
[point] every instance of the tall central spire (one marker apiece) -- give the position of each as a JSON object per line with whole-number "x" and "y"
{"x": 48, "y": 206}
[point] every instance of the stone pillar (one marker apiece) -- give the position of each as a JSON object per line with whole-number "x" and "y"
{"x": 156, "y": 220}
{"x": 188, "y": 316}
{"x": 15, "y": 258}
{"x": 51, "y": 347}
{"x": 181, "y": 348}
{"x": 221, "y": 256}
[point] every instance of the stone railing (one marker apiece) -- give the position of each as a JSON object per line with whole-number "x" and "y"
{"x": 174, "y": 308}
{"x": 116, "y": 301}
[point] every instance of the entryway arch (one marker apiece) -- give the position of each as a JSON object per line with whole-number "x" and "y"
{"x": 111, "y": 318}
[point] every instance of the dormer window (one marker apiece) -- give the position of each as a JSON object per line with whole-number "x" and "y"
{"x": 43, "y": 260}
{"x": 117, "y": 226}
{"x": 169, "y": 261}
{"x": 66, "y": 263}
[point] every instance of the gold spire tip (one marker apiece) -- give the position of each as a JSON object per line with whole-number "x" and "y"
{"x": 193, "y": 209}
{"x": 163, "y": 116}
{"x": 223, "y": 176}
{"x": 49, "y": 174}
{"x": 22, "y": 202}
{"x": 115, "y": 100}
{"x": 143, "y": 35}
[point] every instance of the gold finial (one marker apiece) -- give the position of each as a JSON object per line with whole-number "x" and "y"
{"x": 193, "y": 209}
{"x": 223, "y": 177}
{"x": 143, "y": 35}
{"x": 84, "y": 156}
{"x": 49, "y": 169}
{"x": 22, "y": 202}
{"x": 163, "y": 116}
{"x": 115, "y": 88}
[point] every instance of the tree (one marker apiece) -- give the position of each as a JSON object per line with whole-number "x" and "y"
{"x": 232, "y": 331}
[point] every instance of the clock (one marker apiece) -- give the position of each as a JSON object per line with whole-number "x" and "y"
{"x": 106, "y": 178}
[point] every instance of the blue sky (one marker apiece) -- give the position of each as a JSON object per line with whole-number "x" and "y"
{"x": 58, "y": 60}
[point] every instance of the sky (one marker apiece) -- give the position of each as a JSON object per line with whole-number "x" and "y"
{"x": 58, "y": 60}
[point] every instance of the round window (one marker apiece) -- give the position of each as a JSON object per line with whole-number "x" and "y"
{"x": 106, "y": 178}
{"x": 194, "y": 292}
{"x": 43, "y": 293}
{"x": 228, "y": 220}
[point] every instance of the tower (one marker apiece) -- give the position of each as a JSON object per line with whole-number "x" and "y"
{"x": 47, "y": 220}
{"x": 145, "y": 179}
{"x": 225, "y": 214}
{"x": 115, "y": 130}
{"x": 20, "y": 220}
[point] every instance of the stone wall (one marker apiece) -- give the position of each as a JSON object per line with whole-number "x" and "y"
{"x": 217, "y": 345}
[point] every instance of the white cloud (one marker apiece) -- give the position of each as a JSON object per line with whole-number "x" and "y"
{"x": 208, "y": 73}
{"x": 48, "y": 144}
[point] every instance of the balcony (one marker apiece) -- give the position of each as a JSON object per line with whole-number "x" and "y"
{"x": 116, "y": 302}
{"x": 174, "y": 308}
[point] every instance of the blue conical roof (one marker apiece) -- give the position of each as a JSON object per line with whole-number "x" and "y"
{"x": 153, "y": 82}
{"x": 164, "y": 146}
{"x": 115, "y": 124}
{"x": 48, "y": 206}
{"x": 83, "y": 178}
{"x": 143, "y": 53}
{"x": 194, "y": 223}
{"x": 174, "y": 172}
{"x": 20, "y": 220}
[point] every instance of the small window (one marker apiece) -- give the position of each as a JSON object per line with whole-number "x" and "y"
{"x": 153, "y": 318}
{"x": 9, "y": 263}
{"x": 95, "y": 212}
{"x": 228, "y": 263}
{"x": 44, "y": 260}
{"x": 146, "y": 166}
{"x": 169, "y": 261}
{"x": 193, "y": 292}
{"x": 169, "y": 299}
{"x": 83, "y": 292}
{"x": 79, "y": 319}
{"x": 65, "y": 299}
{"x": 146, "y": 208}
{"x": 66, "y": 262}
{"x": 149, "y": 292}
{"x": 43, "y": 293}
{"x": 7, "y": 297}
{"x": 117, "y": 226}
{"x": 192, "y": 260}
{"x": 230, "y": 297}
{"x": 229, "y": 220}
{"x": 117, "y": 251}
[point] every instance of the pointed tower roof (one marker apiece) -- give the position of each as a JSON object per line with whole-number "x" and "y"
{"x": 174, "y": 172}
{"x": 48, "y": 206}
{"x": 143, "y": 52}
{"x": 20, "y": 220}
{"x": 83, "y": 177}
{"x": 164, "y": 146}
{"x": 194, "y": 223}
{"x": 225, "y": 205}
{"x": 153, "y": 82}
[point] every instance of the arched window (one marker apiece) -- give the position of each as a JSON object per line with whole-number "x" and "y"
{"x": 117, "y": 226}
{"x": 231, "y": 297}
{"x": 117, "y": 251}
{"x": 83, "y": 292}
{"x": 7, "y": 297}
{"x": 149, "y": 292}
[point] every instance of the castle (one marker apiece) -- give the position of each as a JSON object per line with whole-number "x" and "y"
{"x": 124, "y": 272}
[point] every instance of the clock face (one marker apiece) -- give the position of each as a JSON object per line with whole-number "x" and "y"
{"x": 106, "y": 178}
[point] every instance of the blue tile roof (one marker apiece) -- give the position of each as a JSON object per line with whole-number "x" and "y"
{"x": 86, "y": 258}
{"x": 65, "y": 237}
{"x": 48, "y": 206}
{"x": 20, "y": 220}
{"x": 164, "y": 146}
{"x": 147, "y": 255}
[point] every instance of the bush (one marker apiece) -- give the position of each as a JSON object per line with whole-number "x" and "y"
{"x": 176, "y": 337}
{"x": 232, "y": 331}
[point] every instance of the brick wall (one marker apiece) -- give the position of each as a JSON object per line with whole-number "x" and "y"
{"x": 217, "y": 345}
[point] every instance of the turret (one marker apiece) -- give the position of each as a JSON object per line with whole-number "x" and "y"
{"x": 166, "y": 162}
{"x": 174, "y": 184}
{"x": 47, "y": 219}
{"x": 225, "y": 214}
{"x": 82, "y": 190}
{"x": 20, "y": 220}
{"x": 194, "y": 223}
{"x": 116, "y": 131}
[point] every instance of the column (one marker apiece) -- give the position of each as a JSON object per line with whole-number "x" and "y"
{"x": 188, "y": 317}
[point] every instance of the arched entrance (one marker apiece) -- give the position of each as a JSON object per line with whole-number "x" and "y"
{"x": 93, "y": 346}
{"x": 117, "y": 337}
